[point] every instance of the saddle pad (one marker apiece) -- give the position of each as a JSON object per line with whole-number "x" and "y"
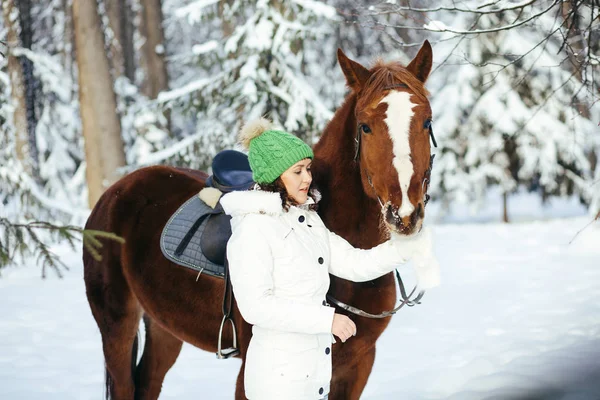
{"x": 175, "y": 230}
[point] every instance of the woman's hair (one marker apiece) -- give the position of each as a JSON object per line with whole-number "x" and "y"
{"x": 277, "y": 186}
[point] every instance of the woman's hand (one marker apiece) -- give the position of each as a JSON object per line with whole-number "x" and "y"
{"x": 343, "y": 327}
{"x": 419, "y": 249}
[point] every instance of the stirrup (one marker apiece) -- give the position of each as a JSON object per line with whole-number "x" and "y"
{"x": 231, "y": 351}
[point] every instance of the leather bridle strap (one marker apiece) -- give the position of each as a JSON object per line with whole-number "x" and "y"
{"x": 406, "y": 300}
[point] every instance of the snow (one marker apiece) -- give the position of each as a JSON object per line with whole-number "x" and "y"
{"x": 517, "y": 316}
{"x": 191, "y": 87}
{"x": 195, "y": 10}
{"x": 203, "y": 48}
{"x": 318, "y": 8}
{"x": 436, "y": 26}
{"x": 159, "y": 156}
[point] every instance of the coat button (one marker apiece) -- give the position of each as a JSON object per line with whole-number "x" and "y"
{"x": 301, "y": 218}
{"x": 321, "y": 391}
{"x": 321, "y": 261}
{"x": 327, "y": 350}
{"x": 324, "y": 303}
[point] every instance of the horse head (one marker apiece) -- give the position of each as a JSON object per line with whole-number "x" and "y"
{"x": 393, "y": 125}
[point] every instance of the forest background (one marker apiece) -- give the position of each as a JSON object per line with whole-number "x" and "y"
{"x": 93, "y": 89}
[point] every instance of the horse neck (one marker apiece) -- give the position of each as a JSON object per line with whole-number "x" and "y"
{"x": 345, "y": 207}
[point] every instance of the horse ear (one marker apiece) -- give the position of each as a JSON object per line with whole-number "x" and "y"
{"x": 420, "y": 66}
{"x": 356, "y": 74}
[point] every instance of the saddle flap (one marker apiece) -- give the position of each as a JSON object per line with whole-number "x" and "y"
{"x": 181, "y": 237}
{"x": 213, "y": 242}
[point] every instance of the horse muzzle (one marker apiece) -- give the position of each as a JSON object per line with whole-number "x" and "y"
{"x": 404, "y": 225}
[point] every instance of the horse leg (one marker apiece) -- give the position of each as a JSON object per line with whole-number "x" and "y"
{"x": 349, "y": 379}
{"x": 160, "y": 353}
{"x": 240, "y": 393}
{"x": 117, "y": 314}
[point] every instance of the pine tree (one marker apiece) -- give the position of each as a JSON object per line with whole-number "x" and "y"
{"x": 505, "y": 109}
{"x": 258, "y": 70}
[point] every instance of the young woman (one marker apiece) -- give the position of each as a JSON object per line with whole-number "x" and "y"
{"x": 280, "y": 257}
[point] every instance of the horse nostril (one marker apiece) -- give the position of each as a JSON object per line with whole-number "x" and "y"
{"x": 391, "y": 216}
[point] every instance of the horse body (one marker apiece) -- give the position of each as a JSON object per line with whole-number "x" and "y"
{"x": 134, "y": 280}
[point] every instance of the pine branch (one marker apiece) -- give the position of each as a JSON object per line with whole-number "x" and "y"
{"x": 22, "y": 239}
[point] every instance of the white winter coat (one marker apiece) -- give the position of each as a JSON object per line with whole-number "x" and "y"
{"x": 280, "y": 264}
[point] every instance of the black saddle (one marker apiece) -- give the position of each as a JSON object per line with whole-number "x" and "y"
{"x": 231, "y": 171}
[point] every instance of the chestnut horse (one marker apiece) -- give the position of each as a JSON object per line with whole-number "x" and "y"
{"x": 371, "y": 166}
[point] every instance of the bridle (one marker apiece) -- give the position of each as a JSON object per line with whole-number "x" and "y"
{"x": 427, "y": 125}
{"x": 406, "y": 299}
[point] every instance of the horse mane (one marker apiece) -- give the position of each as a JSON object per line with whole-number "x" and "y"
{"x": 386, "y": 74}
{"x": 337, "y": 176}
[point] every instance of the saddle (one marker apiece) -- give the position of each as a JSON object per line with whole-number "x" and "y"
{"x": 196, "y": 235}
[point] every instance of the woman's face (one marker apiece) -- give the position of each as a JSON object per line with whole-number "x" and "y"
{"x": 297, "y": 180}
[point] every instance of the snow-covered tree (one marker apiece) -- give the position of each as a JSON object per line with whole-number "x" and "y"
{"x": 505, "y": 108}
{"x": 259, "y": 69}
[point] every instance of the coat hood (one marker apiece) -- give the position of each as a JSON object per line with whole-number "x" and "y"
{"x": 258, "y": 201}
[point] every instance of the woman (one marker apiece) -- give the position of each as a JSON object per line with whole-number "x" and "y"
{"x": 280, "y": 257}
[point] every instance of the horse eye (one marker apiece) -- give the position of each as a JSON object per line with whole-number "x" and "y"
{"x": 365, "y": 128}
{"x": 427, "y": 124}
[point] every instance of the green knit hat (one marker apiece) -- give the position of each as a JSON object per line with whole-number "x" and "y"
{"x": 271, "y": 152}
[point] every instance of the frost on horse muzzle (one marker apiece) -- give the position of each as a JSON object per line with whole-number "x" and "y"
{"x": 406, "y": 225}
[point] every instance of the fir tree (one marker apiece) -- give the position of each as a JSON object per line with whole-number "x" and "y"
{"x": 505, "y": 109}
{"x": 259, "y": 69}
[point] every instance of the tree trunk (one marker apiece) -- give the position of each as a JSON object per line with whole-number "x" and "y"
{"x": 68, "y": 48}
{"x": 17, "y": 86}
{"x": 505, "y": 207}
{"x": 31, "y": 84}
{"x": 227, "y": 26}
{"x": 101, "y": 125}
{"x": 121, "y": 46}
{"x": 575, "y": 48}
{"x": 153, "y": 50}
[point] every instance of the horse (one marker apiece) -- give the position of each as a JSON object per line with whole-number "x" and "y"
{"x": 371, "y": 166}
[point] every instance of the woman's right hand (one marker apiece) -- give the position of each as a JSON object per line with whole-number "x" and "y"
{"x": 343, "y": 327}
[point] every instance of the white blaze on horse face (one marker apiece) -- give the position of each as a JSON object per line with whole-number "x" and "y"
{"x": 398, "y": 117}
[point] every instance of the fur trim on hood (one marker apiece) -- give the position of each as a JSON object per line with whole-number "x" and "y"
{"x": 258, "y": 201}
{"x": 240, "y": 203}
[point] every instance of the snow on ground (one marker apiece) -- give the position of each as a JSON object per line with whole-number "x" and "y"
{"x": 517, "y": 317}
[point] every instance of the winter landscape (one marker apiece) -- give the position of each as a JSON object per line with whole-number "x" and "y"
{"x": 517, "y": 317}
{"x": 93, "y": 90}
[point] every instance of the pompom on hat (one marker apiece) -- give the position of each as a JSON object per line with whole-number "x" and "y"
{"x": 271, "y": 152}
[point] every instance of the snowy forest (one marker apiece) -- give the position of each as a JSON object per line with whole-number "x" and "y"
{"x": 91, "y": 90}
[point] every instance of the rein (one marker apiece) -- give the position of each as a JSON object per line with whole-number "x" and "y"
{"x": 406, "y": 299}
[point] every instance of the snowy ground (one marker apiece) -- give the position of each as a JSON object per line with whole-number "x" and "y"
{"x": 517, "y": 317}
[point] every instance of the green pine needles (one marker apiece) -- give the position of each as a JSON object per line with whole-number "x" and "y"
{"x": 19, "y": 241}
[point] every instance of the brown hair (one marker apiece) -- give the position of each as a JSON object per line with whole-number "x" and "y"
{"x": 277, "y": 186}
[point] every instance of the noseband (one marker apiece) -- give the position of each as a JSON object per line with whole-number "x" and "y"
{"x": 406, "y": 299}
